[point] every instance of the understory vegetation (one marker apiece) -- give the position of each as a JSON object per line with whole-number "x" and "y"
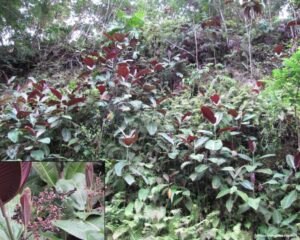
{"x": 192, "y": 105}
{"x": 51, "y": 201}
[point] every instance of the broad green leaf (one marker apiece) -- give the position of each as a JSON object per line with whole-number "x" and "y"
{"x": 47, "y": 171}
{"x": 66, "y": 134}
{"x": 289, "y": 199}
{"x": 129, "y": 179}
{"x": 243, "y": 208}
{"x": 290, "y": 161}
{"x": 253, "y": 202}
{"x": 216, "y": 182}
{"x": 79, "y": 197}
{"x": 73, "y": 141}
{"x": 17, "y": 229}
{"x": 250, "y": 168}
{"x": 13, "y": 135}
{"x": 244, "y": 157}
{"x": 197, "y": 157}
{"x": 138, "y": 205}
{"x": 223, "y": 192}
{"x": 48, "y": 235}
{"x": 201, "y": 168}
{"x": 272, "y": 181}
{"x": 233, "y": 189}
{"x": 289, "y": 220}
{"x": 200, "y": 141}
{"x": 53, "y": 119}
{"x": 193, "y": 176}
{"x": 206, "y": 132}
{"x": 158, "y": 188}
{"x": 229, "y": 204}
{"x": 151, "y": 128}
{"x": 79, "y": 228}
{"x": 228, "y": 169}
{"x": 45, "y": 140}
{"x": 183, "y": 165}
{"x": 70, "y": 169}
{"x": 218, "y": 161}
{"x": 119, "y": 232}
{"x": 266, "y": 213}
{"x": 119, "y": 167}
{"x": 173, "y": 155}
{"x": 186, "y": 193}
{"x": 264, "y": 170}
{"x": 219, "y": 116}
{"x": 143, "y": 194}
{"x": 247, "y": 184}
{"x": 242, "y": 195}
{"x": 38, "y": 155}
{"x": 167, "y": 137}
{"x": 154, "y": 213}
{"x": 83, "y": 215}
{"x": 267, "y": 156}
{"x": 136, "y": 104}
{"x": 129, "y": 209}
{"x": 276, "y": 216}
{"x": 214, "y": 145}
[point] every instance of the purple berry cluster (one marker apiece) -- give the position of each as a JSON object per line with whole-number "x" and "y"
{"x": 47, "y": 207}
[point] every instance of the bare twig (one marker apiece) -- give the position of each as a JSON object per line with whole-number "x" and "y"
{"x": 196, "y": 44}
{"x": 174, "y": 45}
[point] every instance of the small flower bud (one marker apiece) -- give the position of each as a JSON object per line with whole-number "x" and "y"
{"x": 252, "y": 178}
{"x": 252, "y": 146}
{"x": 26, "y": 206}
{"x": 89, "y": 174}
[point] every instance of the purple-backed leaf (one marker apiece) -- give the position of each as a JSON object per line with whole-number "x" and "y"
{"x": 233, "y": 112}
{"x": 101, "y": 88}
{"x": 191, "y": 138}
{"x": 123, "y": 70}
{"x": 143, "y": 72}
{"x": 130, "y": 139}
{"x": 186, "y": 115}
{"x": 293, "y": 23}
{"x": 208, "y": 114}
{"x": 75, "y": 101}
{"x": 297, "y": 160}
{"x": 215, "y": 99}
{"x": 228, "y": 129}
{"x": 56, "y": 93}
{"x": 23, "y": 114}
{"x": 26, "y": 167}
{"x": 30, "y": 129}
{"x": 89, "y": 61}
{"x": 12, "y": 178}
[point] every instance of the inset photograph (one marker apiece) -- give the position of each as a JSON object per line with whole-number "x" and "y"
{"x": 57, "y": 201}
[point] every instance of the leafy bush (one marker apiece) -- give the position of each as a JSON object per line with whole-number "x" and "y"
{"x": 286, "y": 86}
{"x": 44, "y": 122}
{"x": 207, "y": 157}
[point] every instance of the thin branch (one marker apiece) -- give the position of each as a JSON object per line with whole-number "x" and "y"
{"x": 180, "y": 48}
{"x": 196, "y": 44}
